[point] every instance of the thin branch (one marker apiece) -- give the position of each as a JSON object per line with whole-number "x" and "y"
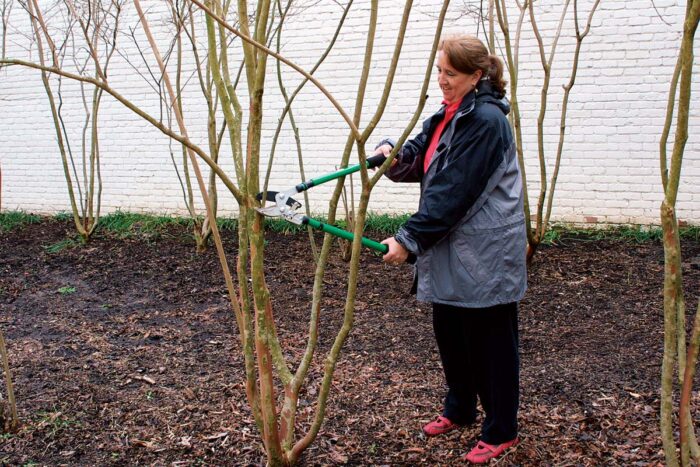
{"x": 271, "y": 53}
{"x": 514, "y": 116}
{"x": 288, "y": 104}
{"x": 200, "y": 180}
{"x": 389, "y": 77}
{"x": 4, "y": 359}
{"x": 663, "y": 142}
{"x": 352, "y": 281}
{"x": 547, "y": 67}
{"x": 182, "y": 139}
{"x": 565, "y": 101}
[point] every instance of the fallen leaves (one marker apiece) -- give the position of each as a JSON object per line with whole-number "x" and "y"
{"x": 143, "y": 444}
{"x": 157, "y": 378}
{"x": 144, "y": 378}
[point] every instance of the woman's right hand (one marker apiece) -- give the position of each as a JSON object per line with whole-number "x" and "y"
{"x": 396, "y": 254}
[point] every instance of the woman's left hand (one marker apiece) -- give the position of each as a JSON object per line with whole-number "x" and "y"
{"x": 397, "y": 254}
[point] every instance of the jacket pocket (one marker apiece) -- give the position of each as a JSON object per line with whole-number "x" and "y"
{"x": 514, "y": 263}
{"x": 480, "y": 253}
{"x": 468, "y": 267}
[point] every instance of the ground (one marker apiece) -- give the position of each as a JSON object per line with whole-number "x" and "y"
{"x": 125, "y": 352}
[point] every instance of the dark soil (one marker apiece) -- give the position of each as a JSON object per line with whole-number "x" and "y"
{"x": 125, "y": 352}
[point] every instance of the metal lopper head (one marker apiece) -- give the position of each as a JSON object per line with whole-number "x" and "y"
{"x": 285, "y": 206}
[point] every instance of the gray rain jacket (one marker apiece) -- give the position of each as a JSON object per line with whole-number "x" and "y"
{"x": 469, "y": 231}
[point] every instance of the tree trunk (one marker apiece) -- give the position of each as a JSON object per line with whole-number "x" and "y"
{"x": 11, "y": 423}
{"x": 674, "y": 306}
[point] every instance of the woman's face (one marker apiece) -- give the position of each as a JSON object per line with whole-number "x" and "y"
{"x": 454, "y": 84}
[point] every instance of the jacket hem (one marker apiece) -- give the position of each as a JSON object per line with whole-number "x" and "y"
{"x": 475, "y": 304}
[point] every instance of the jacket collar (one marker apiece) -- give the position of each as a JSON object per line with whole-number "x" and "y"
{"x": 466, "y": 104}
{"x": 483, "y": 90}
{"x": 486, "y": 93}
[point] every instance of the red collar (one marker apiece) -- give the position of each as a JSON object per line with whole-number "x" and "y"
{"x": 451, "y": 108}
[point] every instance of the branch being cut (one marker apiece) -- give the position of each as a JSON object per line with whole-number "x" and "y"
{"x": 296, "y": 67}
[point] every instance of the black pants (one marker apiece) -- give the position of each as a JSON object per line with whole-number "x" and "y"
{"x": 479, "y": 352}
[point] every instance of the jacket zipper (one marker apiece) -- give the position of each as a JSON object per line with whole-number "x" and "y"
{"x": 453, "y": 123}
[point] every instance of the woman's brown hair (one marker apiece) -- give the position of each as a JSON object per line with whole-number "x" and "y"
{"x": 468, "y": 54}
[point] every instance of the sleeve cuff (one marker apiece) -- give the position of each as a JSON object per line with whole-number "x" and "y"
{"x": 408, "y": 242}
{"x": 390, "y": 141}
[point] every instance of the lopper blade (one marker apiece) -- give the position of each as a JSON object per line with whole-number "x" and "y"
{"x": 284, "y": 204}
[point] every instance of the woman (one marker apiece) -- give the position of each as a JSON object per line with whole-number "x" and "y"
{"x": 469, "y": 238}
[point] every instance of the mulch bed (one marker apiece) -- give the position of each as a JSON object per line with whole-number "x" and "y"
{"x": 125, "y": 352}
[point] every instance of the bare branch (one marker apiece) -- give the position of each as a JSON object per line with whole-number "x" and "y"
{"x": 296, "y": 91}
{"x": 183, "y": 130}
{"x": 565, "y": 102}
{"x": 108, "y": 89}
{"x": 265, "y": 49}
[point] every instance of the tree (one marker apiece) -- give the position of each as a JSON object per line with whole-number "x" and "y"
{"x": 511, "y": 44}
{"x": 5, "y": 10}
{"x": 287, "y": 111}
{"x": 268, "y": 371}
{"x": 98, "y": 22}
{"x": 184, "y": 34}
{"x": 675, "y": 355}
{"x": 9, "y": 422}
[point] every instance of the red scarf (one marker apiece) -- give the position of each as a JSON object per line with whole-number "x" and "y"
{"x": 450, "y": 111}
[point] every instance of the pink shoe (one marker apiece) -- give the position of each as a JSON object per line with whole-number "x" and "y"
{"x": 439, "y": 426}
{"x": 483, "y": 452}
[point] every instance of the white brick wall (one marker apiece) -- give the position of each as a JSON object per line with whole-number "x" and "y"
{"x": 609, "y": 167}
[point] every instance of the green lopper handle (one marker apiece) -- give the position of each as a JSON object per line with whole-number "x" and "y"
{"x": 372, "y": 162}
{"x": 380, "y": 247}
